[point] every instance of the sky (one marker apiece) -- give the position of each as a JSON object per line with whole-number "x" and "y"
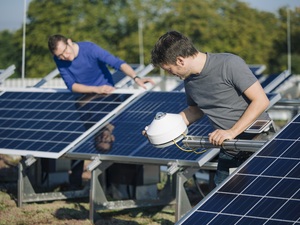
{"x": 12, "y": 11}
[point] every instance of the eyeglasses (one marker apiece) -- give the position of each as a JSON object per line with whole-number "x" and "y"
{"x": 61, "y": 56}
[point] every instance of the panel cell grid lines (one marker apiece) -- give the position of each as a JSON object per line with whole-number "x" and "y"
{"x": 47, "y": 124}
{"x": 264, "y": 190}
{"x": 131, "y": 145}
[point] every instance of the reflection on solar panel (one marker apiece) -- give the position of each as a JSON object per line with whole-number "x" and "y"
{"x": 48, "y": 123}
{"x": 131, "y": 145}
{"x": 264, "y": 190}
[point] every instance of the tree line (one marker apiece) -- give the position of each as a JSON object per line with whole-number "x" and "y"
{"x": 232, "y": 26}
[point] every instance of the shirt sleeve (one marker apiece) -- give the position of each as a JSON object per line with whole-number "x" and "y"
{"x": 239, "y": 74}
{"x": 103, "y": 56}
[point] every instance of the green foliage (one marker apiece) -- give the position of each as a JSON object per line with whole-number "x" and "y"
{"x": 6, "y": 47}
{"x": 11, "y": 51}
{"x": 213, "y": 25}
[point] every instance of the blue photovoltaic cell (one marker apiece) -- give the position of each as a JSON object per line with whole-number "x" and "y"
{"x": 129, "y": 124}
{"x": 264, "y": 190}
{"x": 269, "y": 79}
{"x": 43, "y": 124}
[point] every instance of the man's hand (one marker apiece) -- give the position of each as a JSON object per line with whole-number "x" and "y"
{"x": 104, "y": 89}
{"x": 142, "y": 81}
{"x": 217, "y": 137}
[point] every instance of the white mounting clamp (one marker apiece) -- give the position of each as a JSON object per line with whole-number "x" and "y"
{"x": 94, "y": 164}
{"x": 29, "y": 160}
{"x": 173, "y": 167}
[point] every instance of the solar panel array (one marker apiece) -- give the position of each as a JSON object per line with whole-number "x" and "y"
{"x": 264, "y": 190}
{"x": 273, "y": 81}
{"x": 47, "y": 124}
{"x": 129, "y": 142}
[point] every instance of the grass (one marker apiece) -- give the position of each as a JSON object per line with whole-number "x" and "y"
{"x": 77, "y": 212}
{"x": 73, "y": 212}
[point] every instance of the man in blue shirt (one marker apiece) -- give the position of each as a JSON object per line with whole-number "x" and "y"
{"x": 83, "y": 66}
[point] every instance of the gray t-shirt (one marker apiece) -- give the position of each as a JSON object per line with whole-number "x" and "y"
{"x": 218, "y": 89}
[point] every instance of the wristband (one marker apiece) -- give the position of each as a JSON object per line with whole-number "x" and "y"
{"x": 136, "y": 77}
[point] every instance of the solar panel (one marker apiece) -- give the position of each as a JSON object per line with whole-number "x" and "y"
{"x": 131, "y": 146}
{"x": 257, "y": 69}
{"x": 4, "y": 74}
{"x": 47, "y": 123}
{"x": 273, "y": 81}
{"x": 264, "y": 190}
{"x": 273, "y": 98}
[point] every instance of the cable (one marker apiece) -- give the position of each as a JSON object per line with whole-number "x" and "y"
{"x": 183, "y": 149}
{"x": 189, "y": 150}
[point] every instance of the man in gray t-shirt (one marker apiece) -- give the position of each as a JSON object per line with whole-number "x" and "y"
{"x": 220, "y": 86}
{"x": 218, "y": 90}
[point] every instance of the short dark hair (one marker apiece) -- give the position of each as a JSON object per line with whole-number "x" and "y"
{"x": 169, "y": 46}
{"x": 54, "y": 39}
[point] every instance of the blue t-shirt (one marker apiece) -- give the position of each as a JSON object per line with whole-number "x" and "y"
{"x": 89, "y": 67}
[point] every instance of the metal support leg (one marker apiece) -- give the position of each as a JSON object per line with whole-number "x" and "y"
{"x": 27, "y": 193}
{"x": 97, "y": 195}
{"x": 183, "y": 204}
{"x": 24, "y": 184}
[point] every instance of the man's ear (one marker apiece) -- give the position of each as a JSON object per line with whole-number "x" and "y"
{"x": 180, "y": 61}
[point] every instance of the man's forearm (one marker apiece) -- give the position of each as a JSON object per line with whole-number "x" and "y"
{"x": 191, "y": 114}
{"x": 81, "y": 88}
{"x": 128, "y": 70}
{"x": 254, "y": 110}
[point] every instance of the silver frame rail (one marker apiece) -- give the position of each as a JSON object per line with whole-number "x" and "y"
{"x": 235, "y": 144}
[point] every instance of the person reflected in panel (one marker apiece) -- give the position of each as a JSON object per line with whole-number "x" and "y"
{"x": 104, "y": 138}
{"x": 121, "y": 179}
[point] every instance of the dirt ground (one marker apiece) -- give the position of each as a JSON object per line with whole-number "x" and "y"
{"x": 73, "y": 212}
